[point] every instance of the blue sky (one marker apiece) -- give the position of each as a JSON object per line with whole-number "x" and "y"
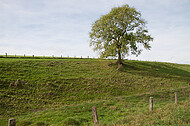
{"x": 61, "y": 27}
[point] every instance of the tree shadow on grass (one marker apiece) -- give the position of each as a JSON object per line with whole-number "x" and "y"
{"x": 155, "y": 69}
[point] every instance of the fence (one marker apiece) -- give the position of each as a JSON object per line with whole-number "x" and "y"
{"x": 12, "y": 121}
{"x": 44, "y": 57}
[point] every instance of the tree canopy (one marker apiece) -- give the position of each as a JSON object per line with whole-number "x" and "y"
{"x": 120, "y": 33}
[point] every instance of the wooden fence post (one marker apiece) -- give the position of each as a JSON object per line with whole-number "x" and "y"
{"x": 176, "y": 97}
{"x": 125, "y": 104}
{"x": 95, "y": 116}
{"x": 120, "y": 99}
{"x": 6, "y": 54}
{"x": 12, "y": 122}
{"x": 151, "y": 104}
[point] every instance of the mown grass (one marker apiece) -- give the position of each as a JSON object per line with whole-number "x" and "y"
{"x": 59, "y": 91}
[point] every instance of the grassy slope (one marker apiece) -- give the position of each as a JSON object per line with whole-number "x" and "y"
{"x": 70, "y": 87}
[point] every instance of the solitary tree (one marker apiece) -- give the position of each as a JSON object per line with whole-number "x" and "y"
{"x": 119, "y": 33}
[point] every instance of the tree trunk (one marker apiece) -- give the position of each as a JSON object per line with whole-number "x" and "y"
{"x": 119, "y": 61}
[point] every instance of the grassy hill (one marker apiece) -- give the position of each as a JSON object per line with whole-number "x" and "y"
{"x": 63, "y": 91}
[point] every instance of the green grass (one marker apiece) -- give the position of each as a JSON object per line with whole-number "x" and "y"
{"x": 63, "y": 91}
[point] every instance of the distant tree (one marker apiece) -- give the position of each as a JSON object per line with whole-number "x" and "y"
{"x": 119, "y": 33}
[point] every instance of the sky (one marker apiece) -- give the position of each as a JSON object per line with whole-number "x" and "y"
{"x": 61, "y": 27}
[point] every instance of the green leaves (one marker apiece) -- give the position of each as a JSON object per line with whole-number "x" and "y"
{"x": 120, "y": 32}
